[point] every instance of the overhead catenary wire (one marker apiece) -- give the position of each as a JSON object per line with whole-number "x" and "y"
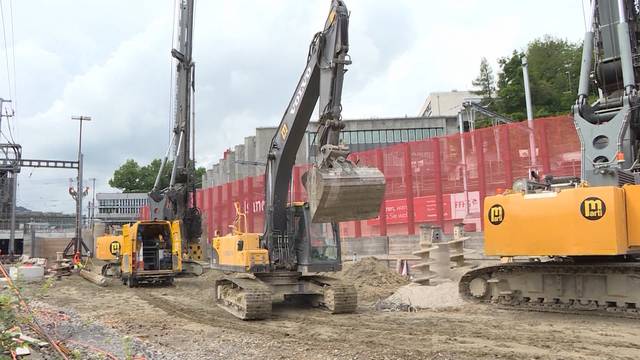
{"x": 10, "y": 71}
{"x": 13, "y": 55}
{"x": 6, "y": 49}
{"x": 15, "y": 78}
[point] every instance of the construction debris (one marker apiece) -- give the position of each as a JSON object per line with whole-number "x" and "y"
{"x": 62, "y": 267}
{"x": 94, "y": 277}
{"x": 27, "y": 273}
{"x": 22, "y": 350}
{"x": 32, "y": 340}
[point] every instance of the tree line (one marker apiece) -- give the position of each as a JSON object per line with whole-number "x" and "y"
{"x": 130, "y": 177}
{"x": 554, "y": 68}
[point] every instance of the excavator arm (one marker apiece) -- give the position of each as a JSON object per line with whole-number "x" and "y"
{"x": 334, "y": 183}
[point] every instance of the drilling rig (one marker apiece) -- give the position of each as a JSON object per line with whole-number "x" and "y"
{"x": 157, "y": 249}
{"x": 177, "y": 202}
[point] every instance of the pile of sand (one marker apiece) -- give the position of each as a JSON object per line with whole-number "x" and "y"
{"x": 372, "y": 278}
{"x": 415, "y": 297}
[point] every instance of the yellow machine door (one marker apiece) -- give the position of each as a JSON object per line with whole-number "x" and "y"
{"x": 128, "y": 232}
{"x": 176, "y": 245}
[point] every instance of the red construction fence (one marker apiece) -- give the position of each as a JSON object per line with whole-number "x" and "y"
{"x": 426, "y": 180}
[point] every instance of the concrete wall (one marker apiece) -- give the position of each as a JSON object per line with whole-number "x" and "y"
{"x": 47, "y": 244}
{"x": 373, "y": 245}
{"x": 398, "y": 245}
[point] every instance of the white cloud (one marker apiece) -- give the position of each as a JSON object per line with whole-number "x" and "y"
{"x": 111, "y": 60}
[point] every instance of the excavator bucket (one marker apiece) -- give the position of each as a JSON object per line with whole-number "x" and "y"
{"x": 344, "y": 193}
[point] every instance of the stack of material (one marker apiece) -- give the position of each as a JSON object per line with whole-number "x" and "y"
{"x": 62, "y": 268}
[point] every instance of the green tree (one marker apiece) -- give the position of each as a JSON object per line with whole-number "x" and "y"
{"x": 131, "y": 177}
{"x": 511, "y": 87}
{"x": 485, "y": 82}
{"x": 554, "y": 66}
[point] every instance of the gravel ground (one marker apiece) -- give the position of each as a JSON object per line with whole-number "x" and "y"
{"x": 180, "y": 322}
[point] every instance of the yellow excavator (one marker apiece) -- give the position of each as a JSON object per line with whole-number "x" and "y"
{"x": 582, "y": 233}
{"x": 302, "y": 239}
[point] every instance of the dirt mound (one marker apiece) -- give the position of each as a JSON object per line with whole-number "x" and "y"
{"x": 372, "y": 278}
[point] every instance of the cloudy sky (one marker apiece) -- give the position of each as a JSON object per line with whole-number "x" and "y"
{"x": 111, "y": 60}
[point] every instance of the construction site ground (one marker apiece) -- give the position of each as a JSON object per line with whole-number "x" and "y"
{"x": 181, "y": 322}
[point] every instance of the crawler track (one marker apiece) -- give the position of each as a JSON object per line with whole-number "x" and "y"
{"x": 610, "y": 289}
{"x": 245, "y": 298}
{"x": 339, "y": 298}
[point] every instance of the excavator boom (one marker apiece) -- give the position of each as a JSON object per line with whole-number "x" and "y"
{"x": 334, "y": 182}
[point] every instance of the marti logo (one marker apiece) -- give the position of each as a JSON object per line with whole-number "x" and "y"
{"x": 303, "y": 85}
{"x": 496, "y": 214}
{"x": 114, "y": 248}
{"x": 593, "y": 208}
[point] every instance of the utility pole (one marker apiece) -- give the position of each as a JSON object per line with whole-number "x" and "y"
{"x": 12, "y": 231}
{"x": 92, "y": 212}
{"x": 527, "y": 96}
{"x": 14, "y": 180}
{"x": 77, "y": 248}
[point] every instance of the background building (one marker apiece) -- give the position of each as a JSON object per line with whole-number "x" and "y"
{"x": 120, "y": 208}
{"x": 359, "y": 134}
{"x": 447, "y": 103}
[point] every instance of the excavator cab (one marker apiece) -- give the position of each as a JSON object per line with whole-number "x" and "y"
{"x": 317, "y": 244}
